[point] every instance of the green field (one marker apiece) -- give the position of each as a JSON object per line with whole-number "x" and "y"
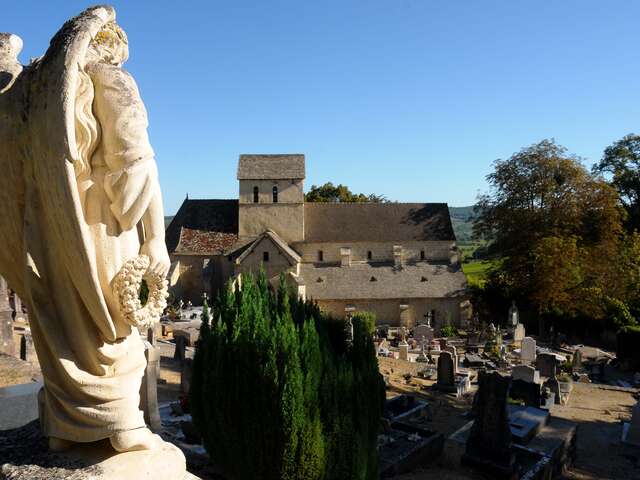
{"x": 476, "y": 271}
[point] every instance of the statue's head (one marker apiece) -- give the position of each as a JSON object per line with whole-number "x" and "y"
{"x": 110, "y": 45}
{"x": 10, "y": 44}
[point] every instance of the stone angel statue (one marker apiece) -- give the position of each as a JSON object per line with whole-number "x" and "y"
{"x": 81, "y": 204}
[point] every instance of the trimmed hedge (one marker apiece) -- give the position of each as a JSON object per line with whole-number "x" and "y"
{"x": 278, "y": 392}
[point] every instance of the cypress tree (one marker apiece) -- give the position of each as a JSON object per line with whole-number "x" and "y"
{"x": 278, "y": 393}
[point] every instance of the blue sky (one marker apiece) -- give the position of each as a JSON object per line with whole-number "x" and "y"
{"x": 413, "y": 99}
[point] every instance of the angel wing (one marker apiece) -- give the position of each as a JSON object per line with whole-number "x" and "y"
{"x": 51, "y": 190}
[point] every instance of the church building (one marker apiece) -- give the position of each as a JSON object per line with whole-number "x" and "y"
{"x": 397, "y": 260}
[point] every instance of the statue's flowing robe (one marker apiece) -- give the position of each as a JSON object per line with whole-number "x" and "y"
{"x": 67, "y": 237}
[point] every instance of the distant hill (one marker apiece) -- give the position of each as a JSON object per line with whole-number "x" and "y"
{"x": 167, "y": 220}
{"x": 462, "y": 221}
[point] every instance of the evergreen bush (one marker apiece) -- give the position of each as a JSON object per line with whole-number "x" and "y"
{"x": 277, "y": 391}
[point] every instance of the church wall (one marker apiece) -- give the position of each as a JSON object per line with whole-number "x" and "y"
{"x": 254, "y": 260}
{"x": 287, "y": 220}
{"x": 381, "y": 251}
{"x": 191, "y": 281}
{"x": 387, "y": 311}
{"x": 289, "y": 191}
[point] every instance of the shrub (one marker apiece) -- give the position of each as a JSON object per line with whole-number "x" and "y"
{"x": 278, "y": 392}
{"x": 449, "y": 331}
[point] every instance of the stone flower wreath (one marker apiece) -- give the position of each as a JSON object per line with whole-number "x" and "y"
{"x": 126, "y": 285}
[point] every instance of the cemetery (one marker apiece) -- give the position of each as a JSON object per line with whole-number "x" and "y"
{"x": 281, "y": 337}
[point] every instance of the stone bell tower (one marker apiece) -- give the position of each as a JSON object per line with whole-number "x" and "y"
{"x": 271, "y": 196}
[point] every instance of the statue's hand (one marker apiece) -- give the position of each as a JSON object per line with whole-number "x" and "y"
{"x": 156, "y": 250}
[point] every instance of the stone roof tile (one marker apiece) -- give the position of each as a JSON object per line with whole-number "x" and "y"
{"x": 271, "y": 167}
{"x": 377, "y": 222}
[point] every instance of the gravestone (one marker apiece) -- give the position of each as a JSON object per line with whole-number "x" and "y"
{"x": 526, "y": 373}
{"x": 547, "y": 363}
{"x": 149, "y": 388}
{"x": 631, "y": 431}
{"x": 454, "y": 355}
{"x": 185, "y": 375}
{"x": 576, "y": 363}
{"x": 553, "y": 386}
{"x": 489, "y": 444}
{"x": 424, "y": 331}
{"x": 446, "y": 371}
{"x": 403, "y": 349}
{"x": 7, "y": 344}
{"x": 190, "y": 335}
{"x": 518, "y": 335}
{"x": 28, "y": 350}
{"x": 529, "y": 392}
{"x": 181, "y": 347}
{"x": 18, "y": 405}
{"x": 528, "y": 350}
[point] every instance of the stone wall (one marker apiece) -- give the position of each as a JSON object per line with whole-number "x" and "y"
{"x": 286, "y": 219}
{"x": 388, "y": 311}
{"x": 380, "y": 251}
{"x": 255, "y": 259}
{"x": 289, "y": 191}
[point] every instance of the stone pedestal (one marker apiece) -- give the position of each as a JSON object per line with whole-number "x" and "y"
{"x": 98, "y": 461}
{"x": 403, "y": 348}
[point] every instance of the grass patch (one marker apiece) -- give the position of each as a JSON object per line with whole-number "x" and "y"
{"x": 476, "y": 271}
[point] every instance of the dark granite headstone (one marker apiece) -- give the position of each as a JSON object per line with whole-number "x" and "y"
{"x": 446, "y": 370}
{"x": 28, "y": 349}
{"x": 181, "y": 345}
{"x": 547, "y": 363}
{"x": 185, "y": 375}
{"x": 489, "y": 443}
{"x": 528, "y": 392}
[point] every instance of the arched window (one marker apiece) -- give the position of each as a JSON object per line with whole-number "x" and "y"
{"x": 320, "y": 255}
{"x": 369, "y": 255}
{"x": 256, "y": 193}
{"x": 275, "y": 194}
{"x": 421, "y": 254}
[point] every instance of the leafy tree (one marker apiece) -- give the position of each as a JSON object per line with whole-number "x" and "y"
{"x": 558, "y": 230}
{"x": 621, "y": 162}
{"x": 330, "y": 193}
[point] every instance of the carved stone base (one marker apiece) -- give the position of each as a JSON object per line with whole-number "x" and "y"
{"x": 27, "y": 458}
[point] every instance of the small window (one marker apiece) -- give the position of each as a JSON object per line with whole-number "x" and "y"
{"x": 320, "y": 255}
{"x": 265, "y": 256}
{"x": 275, "y": 194}
{"x": 373, "y": 279}
{"x": 421, "y": 254}
{"x": 256, "y": 194}
{"x": 369, "y": 255}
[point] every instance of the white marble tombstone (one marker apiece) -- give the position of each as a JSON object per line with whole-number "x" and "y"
{"x": 526, "y": 373}
{"x": 528, "y": 350}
